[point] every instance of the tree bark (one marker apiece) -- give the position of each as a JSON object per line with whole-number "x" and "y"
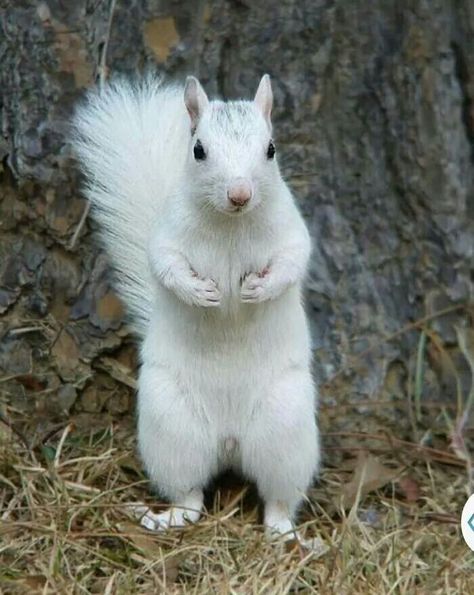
{"x": 374, "y": 124}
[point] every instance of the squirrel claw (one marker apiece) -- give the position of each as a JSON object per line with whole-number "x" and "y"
{"x": 253, "y": 288}
{"x": 206, "y": 293}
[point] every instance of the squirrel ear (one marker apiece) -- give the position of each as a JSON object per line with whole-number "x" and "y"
{"x": 195, "y": 99}
{"x": 264, "y": 98}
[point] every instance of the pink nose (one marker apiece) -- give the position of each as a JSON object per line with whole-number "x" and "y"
{"x": 239, "y": 192}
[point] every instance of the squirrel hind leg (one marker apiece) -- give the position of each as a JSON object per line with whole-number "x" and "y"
{"x": 278, "y": 521}
{"x": 279, "y": 529}
{"x": 187, "y": 510}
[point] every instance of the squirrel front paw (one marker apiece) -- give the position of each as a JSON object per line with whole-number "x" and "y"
{"x": 255, "y": 288}
{"x": 204, "y": 292}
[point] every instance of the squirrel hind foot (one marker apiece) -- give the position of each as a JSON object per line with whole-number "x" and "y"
{"x": 174, "y": 517}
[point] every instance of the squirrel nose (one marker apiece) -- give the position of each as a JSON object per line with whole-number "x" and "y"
{"x": 239, "y": 192}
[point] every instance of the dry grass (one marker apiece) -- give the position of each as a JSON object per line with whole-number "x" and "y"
{"x": 65, "y": 527}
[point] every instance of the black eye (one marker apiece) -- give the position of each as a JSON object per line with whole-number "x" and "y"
{"x": 271, "y": 150}
{"x": 199, "y": 153}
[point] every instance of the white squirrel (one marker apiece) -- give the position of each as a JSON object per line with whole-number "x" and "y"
{"x": 210, "y": 253}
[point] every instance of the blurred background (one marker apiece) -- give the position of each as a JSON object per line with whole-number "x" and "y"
{"x": 374, "y": 125}
{"x": 374, "y": 119}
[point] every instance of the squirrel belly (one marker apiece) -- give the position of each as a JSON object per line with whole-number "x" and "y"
{"x": 210, "y": 253}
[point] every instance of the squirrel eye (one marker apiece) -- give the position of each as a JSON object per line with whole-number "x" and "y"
{"x": 271, "y": 150}
{"x": 199, "y": 153}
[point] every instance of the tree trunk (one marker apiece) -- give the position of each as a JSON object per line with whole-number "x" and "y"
{"x": 374, "y": 123}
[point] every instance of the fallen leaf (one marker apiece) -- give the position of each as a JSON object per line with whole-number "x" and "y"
{"x": 93, "y": 398}
{"x": 143, "y": 541}
{"x": 369, "y": 475}
{"x": 34, "y": 581}
{"x": 66, "y": 353}
{"x": 109, "y": 311}
{"x": 31, "y": 382}
{"x": 410, "y": 489}
{"x": 117, "y": 371}
{"x": 148, "y": 545}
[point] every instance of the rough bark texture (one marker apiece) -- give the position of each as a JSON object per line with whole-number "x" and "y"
{"x": 374, "y": 122}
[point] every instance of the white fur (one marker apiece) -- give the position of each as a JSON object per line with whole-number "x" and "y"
{"x": 214, "y": 292}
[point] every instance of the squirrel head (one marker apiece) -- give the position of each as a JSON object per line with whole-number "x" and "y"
{"x": 231, "y": 156}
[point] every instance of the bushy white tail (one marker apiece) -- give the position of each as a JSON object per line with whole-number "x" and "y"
{"x": 131, "y": 141}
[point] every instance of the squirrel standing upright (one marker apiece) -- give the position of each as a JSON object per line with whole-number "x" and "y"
{"x": 210, "y": 252}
